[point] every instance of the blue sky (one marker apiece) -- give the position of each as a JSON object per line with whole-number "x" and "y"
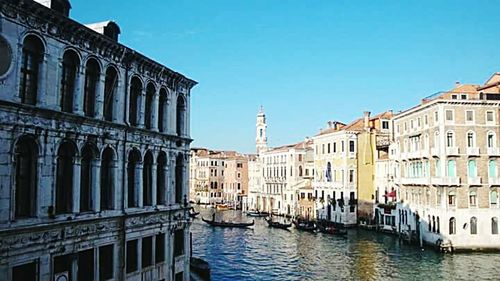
{"x": 306, "y": 62}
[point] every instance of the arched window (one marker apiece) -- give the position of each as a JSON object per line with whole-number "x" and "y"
{"x": 436, "y": 139}
{"x": 472, "y": 169}
{"x": 92, "y": 73}
{"x": 494, "y": 225}
{"x": 110, "y": 86}
{"x": 135, "y": 95}
{"x": 494, "y": 198}
{"x": 161, "y": 183}
{"x": 429, "y": 223}
{"x": 473, "y": 225}
{"x": 433, "y": 224}
{"x": 492, "y": 168}
{"x": 450, "y": 139}
{"x": 451, "y": 169}
{"x": 148, "y": 114}
{"x": 472, "y": 198}
{"x": 438, "y": 168}
{"x": 181, "y": 115}
{"x": 471, "y": 139}
{"x": 70, "y": 66}
{"x": 107, "y": 179}
{"x": 32, "y": 58}
{"x": 147, "y": 180}
{"x": 26, "y": 155}
{"x": 300, "y": 171}
{"x": 453, "y": 226}
{"x": 64, "y": 178}
{"x": 491, "y": 140}
{"x": 179, "y": 178}
{"x": 87, "y": 176}
{"x": 162, "y": 111}
{"x": 133, "y": 178}
{"x": 451, "y": 198}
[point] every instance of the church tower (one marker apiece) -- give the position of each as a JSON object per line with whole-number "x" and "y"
{"x": 261, "y": 140}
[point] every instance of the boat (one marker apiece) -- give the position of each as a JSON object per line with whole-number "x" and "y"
{"x": 305, "y": 225}
{"x": 276, "y": 224}
{"x": 221, "y": 207}
{"x": 257, "y": 214}
{"x": 227, "y": 223}
{"x": 332, "y": 230}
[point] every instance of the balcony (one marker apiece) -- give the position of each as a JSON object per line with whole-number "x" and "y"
{"x": 450, "y": 181}
{"x": 414, "y": 181}
{"x": 414, "y": 155}
{"x": 474, "y": 180}
{"x": 327, "y": 185}
{"x": 494, "y": 181}
{"x": 435, "y": 151}
{"x": 452, "y": 151}
{"x": 403, "y": 155}
{"x": 473, "y": 151}
{"x": 493, "y": 151}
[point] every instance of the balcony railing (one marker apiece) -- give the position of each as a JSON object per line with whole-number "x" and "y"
{"x": 452, "y": 151}
{"x": 414, "y": 155}
{"x": 414, "y": 181}
{"x": 435, "y": 151}
{"x": 473, "y": 151}
{"x": 450, "y": 181}
{"x": 494, "y": 181}
{"x": 493, "y": 151}
{"x": 474, "y": 180}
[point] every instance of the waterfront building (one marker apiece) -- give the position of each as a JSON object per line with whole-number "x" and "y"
{"x": 305, "y": 193}
{"x": 94, "y": 147}
{"x": 335, "y": 172}
{"x": 447, "y": 172}
{"x": 218, "y": 177}
{"x": 373, "y": 141}
{"x": 255, "y": 185}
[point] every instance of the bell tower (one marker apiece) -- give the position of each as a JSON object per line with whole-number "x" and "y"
{"x": 261, "y": 139}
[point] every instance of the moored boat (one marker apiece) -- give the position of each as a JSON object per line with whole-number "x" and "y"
{"x": 227, "y": 223}
{"x": 193, "y": 214}
{"x": 257, "y": 214}
{"x": 332, "y": 230}
{"x": 276, "y": 224}
{"x": 222, "y": 207}
{"x": 305, "y": 225}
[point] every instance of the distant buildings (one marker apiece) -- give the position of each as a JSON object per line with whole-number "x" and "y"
{"x": 94, "y": 150}
{"x": 218, "y": 177}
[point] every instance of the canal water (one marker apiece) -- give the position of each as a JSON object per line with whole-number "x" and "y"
{"x": 263, "y": 253}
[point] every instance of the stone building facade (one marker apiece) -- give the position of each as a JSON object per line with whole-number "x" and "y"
{"x": 94, "y": 151}
{"x": 335, "y": 173}
{"x": 447, "y": 167}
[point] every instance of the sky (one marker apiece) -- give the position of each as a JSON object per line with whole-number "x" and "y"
{"x": 306, "y": 62}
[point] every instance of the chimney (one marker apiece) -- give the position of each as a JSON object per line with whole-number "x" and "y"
{"x": 61, "y": 6}
{"x": 329, "y": 124}
{"x": 366, "y": 120}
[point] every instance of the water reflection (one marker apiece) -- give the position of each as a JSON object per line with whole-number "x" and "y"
{"x": 263, "y": 253}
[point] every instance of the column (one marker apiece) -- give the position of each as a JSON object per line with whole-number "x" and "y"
{"x": 172, "y": 105}
{"x": 141, "y": 108}
{"x": 154, "y": 110}
{"x": 79, "y": 91}
{"x": 171, "y": 190}
{"x": 99, "y": 98}
{"x": 138, "y": 186}
{"x": 96, "y": 185}
{"x": 42, "y": 82}
{"x": 76, "y": 184}
{"x": 153, "y": 184}
{"x": 165, "y": 186}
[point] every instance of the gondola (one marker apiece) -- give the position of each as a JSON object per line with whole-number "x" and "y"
{"x": 332, "y": 230}
{"x": 228, "y": 224}
{"x": 257, "y": 214}
{"x": 276, "y": 224}
{"x": 305, "y": 226}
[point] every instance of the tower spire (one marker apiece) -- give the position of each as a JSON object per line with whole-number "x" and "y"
{"x": 261, "y": 139}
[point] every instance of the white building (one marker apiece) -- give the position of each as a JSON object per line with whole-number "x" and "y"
{"x": 447, "y": 172}
{"x": 94, "y": 144}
